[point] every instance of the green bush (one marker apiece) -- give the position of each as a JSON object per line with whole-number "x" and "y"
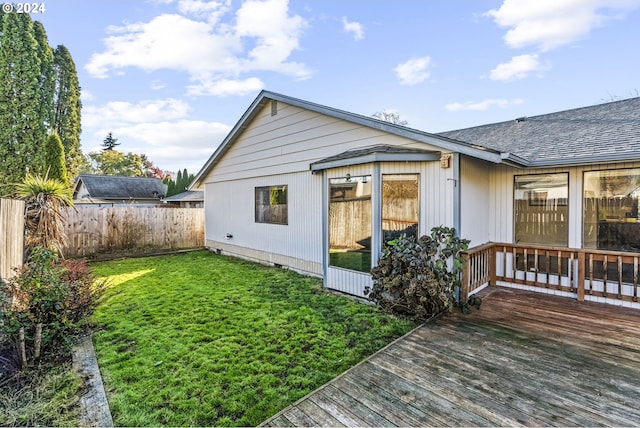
{"x": 419, "y": 277}
{"x": 57, "y": 295}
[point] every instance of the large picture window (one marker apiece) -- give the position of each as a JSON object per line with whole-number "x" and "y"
{"x": 400, "y": 206}
{"x": 611, "y": 220}
{"x": 350, "y": 223}
{"x": 271, "y": 205}
{"x": 541, "y": 209}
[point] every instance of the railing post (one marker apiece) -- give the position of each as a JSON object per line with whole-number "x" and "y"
{"x": 580, "y": 279}
{"x": 464, "y": 281}
{"x": 492, "y": 265}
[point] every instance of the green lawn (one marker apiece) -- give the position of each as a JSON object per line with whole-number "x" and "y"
{"x": 200, "y": 339}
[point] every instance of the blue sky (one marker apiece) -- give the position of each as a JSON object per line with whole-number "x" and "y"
{"x": 170, "y": 78}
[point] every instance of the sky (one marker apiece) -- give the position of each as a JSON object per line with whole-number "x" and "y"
{"x": 170, "y": 78}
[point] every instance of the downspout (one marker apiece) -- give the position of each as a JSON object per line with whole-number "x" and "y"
{"x": 376, "y": 219}
{"x": 325, "y": 227}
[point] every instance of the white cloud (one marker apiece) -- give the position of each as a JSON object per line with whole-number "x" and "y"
{"x": 276, "y": 34}
{"x": 210, "y": 10}
{"x": 482, "y": 105}
{"x": 260, "y": 37}
{"x": 185, "y": 143}
{"x": 414, "y": 71}
{"x": 548, "y": 24}
{"x": 158, "y": 128}
{"x": 157, "y": 84}
{"x": 518, "y": 68}
{"x": 355, "y": 28}
{"x": 226, "y": 87}
{"x": 119, "y": 112}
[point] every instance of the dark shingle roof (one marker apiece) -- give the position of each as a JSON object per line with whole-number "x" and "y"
{"x": 602, "y": 132}
{"x": 117, "y": 187}
{"x": 188, "y": 196}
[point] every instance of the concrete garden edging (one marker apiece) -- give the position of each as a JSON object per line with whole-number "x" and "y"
{"x": 94, "y": 407}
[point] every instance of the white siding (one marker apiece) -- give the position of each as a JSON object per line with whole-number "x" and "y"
{"x": 230, "y": 210}
{"x": 501, "y": 196}
{"x": 475, "y": 207}
{"x": 292, "y": 140}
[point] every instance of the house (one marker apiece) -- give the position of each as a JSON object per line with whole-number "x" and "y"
{"x": 549, "y": 202}
{"x": 111, "y": 190}
{"x": 187, "y": 199}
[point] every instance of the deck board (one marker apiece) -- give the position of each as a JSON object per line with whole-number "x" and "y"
{"x": 524, "y": 359}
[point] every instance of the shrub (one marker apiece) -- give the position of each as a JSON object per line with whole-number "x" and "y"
{"x": 47, "y": 299}
{"x": 419, "y": 277}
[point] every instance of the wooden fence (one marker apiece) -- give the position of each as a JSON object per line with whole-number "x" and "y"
{"x": 11, "y": 236}
{"x": 95, "y": 230}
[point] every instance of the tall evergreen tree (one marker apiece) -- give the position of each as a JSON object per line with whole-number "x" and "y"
{"x": 46, "y": 78}
{"x": 20, "y": 134}
{"x": 66, "y": 109}
{"x": 179, "y": 180}
{"x": 54, "y": 159}
{"x": 109, "y": 142}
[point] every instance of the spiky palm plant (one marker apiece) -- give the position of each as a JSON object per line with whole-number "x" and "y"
{"x": 44, "y": 224}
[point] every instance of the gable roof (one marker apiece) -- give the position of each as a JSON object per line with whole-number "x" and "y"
{"x": 110, "y": 187}
{"x": 608, "y": 132}
{"x": 266, "y": 96}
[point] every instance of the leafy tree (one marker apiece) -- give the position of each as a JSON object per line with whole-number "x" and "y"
{"x": 390, "y": 116}
{"x": 115, "y": 162}
{"x": 54, "y": 159}
{"x": 66, "y": 110}
{"x": 109, "y": 142}
{"x": 20, "y": 97}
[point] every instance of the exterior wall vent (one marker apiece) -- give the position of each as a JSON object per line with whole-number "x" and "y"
{"x": 274, "y": 107}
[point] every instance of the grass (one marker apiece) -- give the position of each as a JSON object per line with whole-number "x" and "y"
{"x": 45, "y": 398}
{"x": 201, "y": 339}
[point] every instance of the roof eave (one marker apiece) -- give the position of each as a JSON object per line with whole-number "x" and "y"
{"x": 375, "y": 157}
{"x": 587, "y": 160}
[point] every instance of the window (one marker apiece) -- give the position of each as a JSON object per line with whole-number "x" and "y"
{"x": 540, "y": 209}
{"x": 272, "y": 205}
{"x": 350, "y": 223}
{"x": 611, "y": 220}
{"x": 400, "y": 205}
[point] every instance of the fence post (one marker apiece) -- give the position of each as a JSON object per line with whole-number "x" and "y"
{"x": 581, "y": 270}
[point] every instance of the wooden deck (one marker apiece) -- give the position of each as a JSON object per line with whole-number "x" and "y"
{"x": 523, "y": 359}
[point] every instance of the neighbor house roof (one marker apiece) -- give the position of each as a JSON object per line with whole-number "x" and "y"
{"x": 606, "y": 132}
{"x": 188, "y": 196}
{"x": 111, "y": 187}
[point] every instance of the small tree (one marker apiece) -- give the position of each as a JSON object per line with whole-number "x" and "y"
{"x": 109, "y": 142}
{"x": 44, "y": 197}
{"x": 419, "y": 277}
{"x": 54, "y": 159}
